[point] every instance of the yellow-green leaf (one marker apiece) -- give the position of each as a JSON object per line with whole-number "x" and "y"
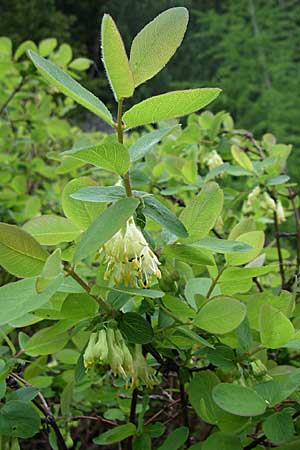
{"x": 115, "y": 59}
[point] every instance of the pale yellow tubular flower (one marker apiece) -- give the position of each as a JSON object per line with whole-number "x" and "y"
{"x": 269, "y": 201}
{"x": 101, "y": 348}
{"x": 213, "y": 160}
{"x": 115, "y": 355}
{"x": 252, "y": 196}
{"x": 280, "y": 212}
{"x": 89, "y": 354}
{"x": 127, "y": 356}
{"x": 129, "y": 258}
{"x": 143, "y": 374}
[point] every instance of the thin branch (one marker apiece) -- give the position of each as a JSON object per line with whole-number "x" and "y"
{"x": 132, "y": 415}
{"x": 278, "y": 245}
{"x": 11, "y": 96}
{"x": 156, "y": 415}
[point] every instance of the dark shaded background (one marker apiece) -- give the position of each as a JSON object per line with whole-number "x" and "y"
{"x": 249, "y": 48}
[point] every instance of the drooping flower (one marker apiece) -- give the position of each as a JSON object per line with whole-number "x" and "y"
{"x": 213, "y": 160}
{"x": 270, "y": 203}
{"x": 129, "y": 258}
{"x": 143, "y": 373}
{"x": 280, "y": 212}
{"x": 252, "y": 196}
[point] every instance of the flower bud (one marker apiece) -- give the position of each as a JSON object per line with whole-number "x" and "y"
{"x": 270, "y": 203}
{"x": 89, "y": 354}
{"x": 115, "y": 354}
{"x": 143, "y": 374}
{"x": 101, "y": 348}
{"x": 280, "y": 212}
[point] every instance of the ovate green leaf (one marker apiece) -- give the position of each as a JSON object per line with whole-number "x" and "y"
{"x": 136, "y": 329}
{"x": 169, "y": 105}
{"x": 275, "y": 328}
{"x": 20, "y": 253}
{"x": 156, "y": 43}
{"x": 112, "y": 156}
{"x": 255, "y": 239}
{"x": 105, "y": 226}
{"x": 238, "y": 399}
{"x": 68, "y": 86}
{"x": 115, "y": 59}
{"x": 116, "y": 434}
{"x": 52, "y": 230}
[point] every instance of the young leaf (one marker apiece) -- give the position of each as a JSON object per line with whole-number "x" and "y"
{"x": 51, "y": 271}
{"x": 200, "y": 216}
{"x": 115, "y": 59}
{"x": 104, "y": 227}
{"x": 146, "y": 142}
{"x": 52, "y": 230}
{"x": 113, "y": 157}
{"x": 168, "y": 106}
{"x": 241, "y": 158}
{"x": 20, "y": 253}
{"x": 68, "y": 86}
{"x": 82, "y": 213}
{"x": 220, "y": 315}
{"x": 136, "y": 329}
{"x": 156, "y": 43}
{"x": 238, "y": 399}
{"x": 116, "y": 434}
{"x": 275, "y": 328}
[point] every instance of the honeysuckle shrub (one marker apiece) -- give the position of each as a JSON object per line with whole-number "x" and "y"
{"x": 156, "y": 305}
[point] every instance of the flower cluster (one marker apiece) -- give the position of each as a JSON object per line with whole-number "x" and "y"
{"x": 213, "y": 160}
{"x": 129, "y": 258}
{"x": 109, "y": 347}
{"x": 266, "y": 202}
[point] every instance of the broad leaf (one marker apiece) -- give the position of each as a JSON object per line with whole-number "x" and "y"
{"x": 156, "y": 43}
{"x": 68, "y": 86}
{"x": 21, "y": 297}
{"x": 116, "y": 434}
{"x": 149, "y": 293}
{"x": 20, "y": 253}
{"x": 189, "y": 254}
{"x": 168, "y": 106}
{"x": 99, "y": 194}
{"x": 179, "y": 308}
{"x": 82, "y": 213}
{"x": 175, "y": 439}
{"x": 136, "y": 329}
{"x": 112, "y": 156}
{"x": 200, "y": 216}
{"x": 48, "y": 340}
{"x": 222, "y": 245}
{"x": 222, "y": 441}
{"x": 220, "y": 315}
{"x": 52, "y": 230}
{"x": 19, "y": 419}
{"x": 104, "y": 227}
{"x": 279, "y": 427}
{"x": 161, "y": 214}
{"x": 115, "y": 59}
{"x": 241, "y": 158}
{"x": 51, "y": 271}
{"x": 238, "y": 399}
{"x": 255, "y": 239}
{"x": 275, "y": 328}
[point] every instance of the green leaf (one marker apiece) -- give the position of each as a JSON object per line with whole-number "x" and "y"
{"x": 20, "y": 298}
{"x": 168, "y": 106}
{"x": 199, "y": 391}
{"x": 294, "y": 445}
{"x": 79, "y": 306}
{"x": 220, "y": 315}
{"x": 275, "y": 328}
{"x": 99, "y": 194}
{"x": 150, "y": 293}
{"x": 241, "y": 158}
{"x": 25, "y": 394}
{"x": 20, "y": 253}
{"x": 178, "y": 307}
{"x": 81, "y": 213}
{"x": 189, "y": 254}
{"x": 222, "y": 245}
{"x": 280, "y": 179}
{"x": 52, "y": 230}
{"x": 200, "y": 216}
{"x": 48, "y": 340}
{"x": 104, "y": 227}
{"x": 68, "y": 86}
{"x": 115, "y": 59}
{"x": 116, "y": 434}
{"x": 239, "y": 400}
{"x": 175, "y": 440}
{"x": 136, "y": 329}
{"x": 146, "y": 142}
{"x": 46, "y": 46}
{"x": 19, "y": 419}
{"x": 255, "y": 239}
{"x": 222, "y": 441}
{"x": 279, "y": 427}
{"x": 112, "y": 156}
{"x": 51, "y": 271}
{"x": 66, "y": 398}
{"x": 80, "y": 64}
{"x": 162, "y": 215}
{"x": 156, "y": 43}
